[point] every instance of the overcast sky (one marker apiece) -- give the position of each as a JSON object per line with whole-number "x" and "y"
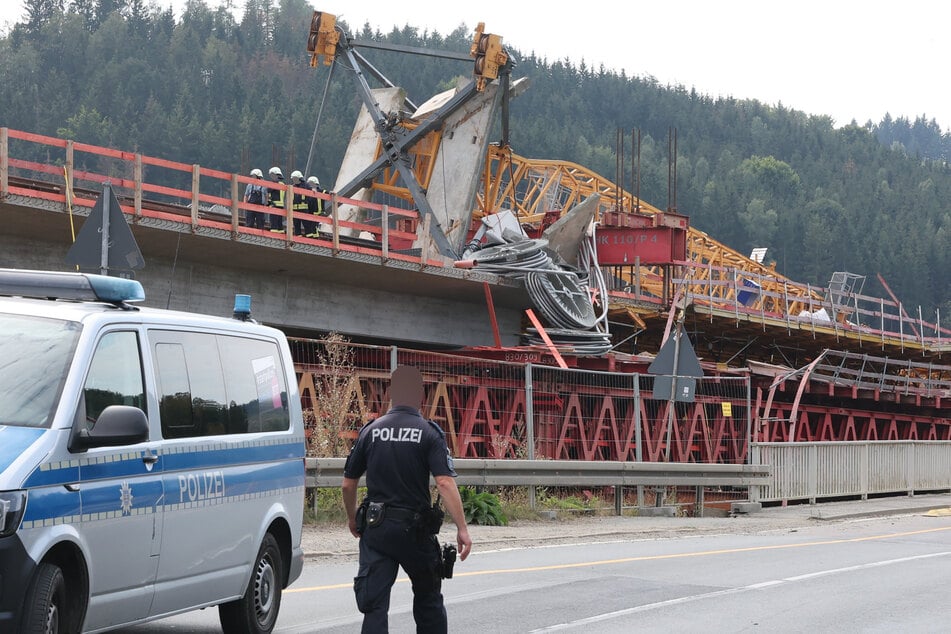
{"x": 844, "y": 58}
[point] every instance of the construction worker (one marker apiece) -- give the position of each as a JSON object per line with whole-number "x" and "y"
{"x": 302, "y": 226}
{"x": 276, "y": 198}
{"x": 315, "y": 205}
{"x": 255, "y": 194}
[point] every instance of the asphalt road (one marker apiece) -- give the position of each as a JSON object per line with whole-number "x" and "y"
{"x": 865, "y": 575}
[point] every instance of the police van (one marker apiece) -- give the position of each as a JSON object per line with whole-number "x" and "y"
{"x": 151, "y": 461}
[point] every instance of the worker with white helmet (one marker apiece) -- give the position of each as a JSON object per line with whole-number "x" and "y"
{"x": 302, "y": 225}
{"x": 315, "y": 205}
{"x": 255, "y": 194}
{"x": 276, "y": 198}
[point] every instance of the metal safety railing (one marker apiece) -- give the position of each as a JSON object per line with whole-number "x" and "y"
{"x": 328, "y": 472}
{"x": 747, "y": 295}
{"x": 71, "y": 174}
{"x": 816, "y": 470}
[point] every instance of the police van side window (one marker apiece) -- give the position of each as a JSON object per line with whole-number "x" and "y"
{"x": 115, "y": 375}
{"x": 191, "y": 385}
{"x": 257, "y": 391}
{"x": 216, "y": 384}
{"x": 175, "y": 395}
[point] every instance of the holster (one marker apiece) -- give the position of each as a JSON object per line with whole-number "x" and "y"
{"x": 430, "y": 520}
{"x": 361, "y": 516}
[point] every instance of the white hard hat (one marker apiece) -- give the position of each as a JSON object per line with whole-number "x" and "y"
{"x": 275, "y": 171}
{"x": 313, "y": 180}
{"x": 257, "y": 172}
{"x": 297, "y": 174}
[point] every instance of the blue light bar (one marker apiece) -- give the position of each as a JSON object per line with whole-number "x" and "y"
{"x": 75, "y": 286}
{"x": 116, "y": 289}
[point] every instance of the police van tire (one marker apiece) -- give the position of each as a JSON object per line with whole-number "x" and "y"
{"x": 256, "y": 612}
{"x": 46, "y": 602}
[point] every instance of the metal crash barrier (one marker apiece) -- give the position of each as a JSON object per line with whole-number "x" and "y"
{"x": 328, "y": 472}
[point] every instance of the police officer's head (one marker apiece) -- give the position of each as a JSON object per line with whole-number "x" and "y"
{"x": 406, "y": 386}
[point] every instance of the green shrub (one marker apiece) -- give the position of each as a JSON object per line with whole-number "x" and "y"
{"x": 482, "y": 507}
{"x": 326, "y": 505}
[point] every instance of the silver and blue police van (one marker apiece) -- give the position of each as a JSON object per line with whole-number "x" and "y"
{"x": 151, "y": 461}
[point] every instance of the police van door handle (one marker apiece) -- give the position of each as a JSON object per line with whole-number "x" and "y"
{"x": 150, "y": 458}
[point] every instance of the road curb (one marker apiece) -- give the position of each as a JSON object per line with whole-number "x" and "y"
{"x": 878, "y": 513}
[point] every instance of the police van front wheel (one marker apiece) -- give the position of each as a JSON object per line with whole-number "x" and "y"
{"x": 46, "y": 601}
{"x": 256, "y": 612}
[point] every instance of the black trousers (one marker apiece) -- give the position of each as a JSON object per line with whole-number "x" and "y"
{"x": 303, "y": 225}
{"x": 383, "y": 550}
{"x": 276, "y": 222}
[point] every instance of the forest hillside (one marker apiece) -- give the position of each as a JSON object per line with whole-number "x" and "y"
{"x": 234, "y": 93}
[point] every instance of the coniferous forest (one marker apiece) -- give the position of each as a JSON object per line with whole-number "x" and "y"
{"x": 235, "y": 93}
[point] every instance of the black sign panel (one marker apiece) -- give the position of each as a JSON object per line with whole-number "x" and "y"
{"x": 687, "y": 362}
{"x": 686, "y": 388}
{"x": 123, "y": 252}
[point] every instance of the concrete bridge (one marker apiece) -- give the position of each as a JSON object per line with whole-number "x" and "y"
{"x": 198, "y": 255}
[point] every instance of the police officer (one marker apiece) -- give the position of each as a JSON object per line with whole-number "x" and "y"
{"x": 398, "y": 452}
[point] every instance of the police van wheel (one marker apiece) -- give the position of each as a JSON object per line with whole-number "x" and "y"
{"x": 256, "y": 612}
{"x": 46, "y": 601}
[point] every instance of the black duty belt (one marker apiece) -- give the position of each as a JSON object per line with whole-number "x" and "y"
{"x": 399, "y": 513}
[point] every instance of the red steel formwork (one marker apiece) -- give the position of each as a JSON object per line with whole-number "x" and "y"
{"x": 497, "y": 409}
{"x": 834, "y": 423}
{"x": 485, "y": 407}
{"x": 842, "y": 396}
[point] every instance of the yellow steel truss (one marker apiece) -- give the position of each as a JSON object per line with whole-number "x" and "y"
{"x": 533, "y": 187}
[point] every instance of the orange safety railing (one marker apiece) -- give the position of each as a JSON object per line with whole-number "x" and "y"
{"x": 71, "y": 173}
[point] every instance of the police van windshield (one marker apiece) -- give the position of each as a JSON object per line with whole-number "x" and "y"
{"x": 35, "y": 354}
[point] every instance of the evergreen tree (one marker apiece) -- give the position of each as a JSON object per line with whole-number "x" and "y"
{"x": 38, "y": 13}
{"x": 870, "y": 198}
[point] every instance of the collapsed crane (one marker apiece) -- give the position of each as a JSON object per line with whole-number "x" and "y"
{"x": 438, "y": 157}
{"x": 405, "y": 139}
{"x": 396, "y": 146}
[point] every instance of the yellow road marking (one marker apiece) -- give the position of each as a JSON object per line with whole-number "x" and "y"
{"x": 624, "y": 560}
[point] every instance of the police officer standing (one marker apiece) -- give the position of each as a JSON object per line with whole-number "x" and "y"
{"x": 398, "y": 452}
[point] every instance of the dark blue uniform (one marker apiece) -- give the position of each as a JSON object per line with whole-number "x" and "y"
{"x": 398, "y": 452}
